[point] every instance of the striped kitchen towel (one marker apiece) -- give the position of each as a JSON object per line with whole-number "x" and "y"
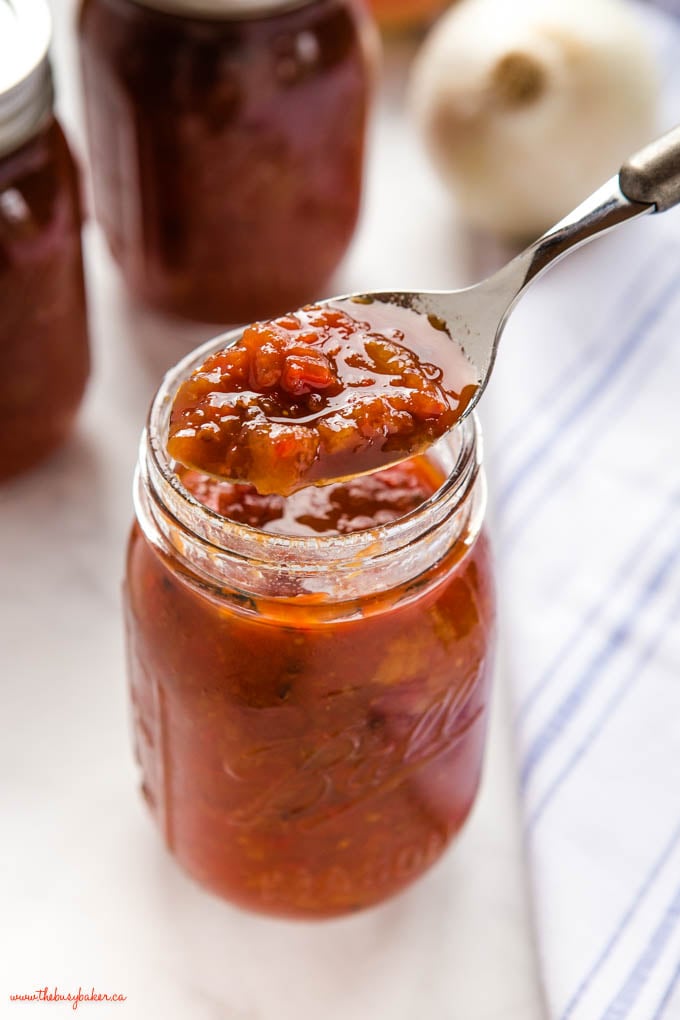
{"x": 583, "y": 439}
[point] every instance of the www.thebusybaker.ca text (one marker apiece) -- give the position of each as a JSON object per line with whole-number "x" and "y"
{"x": 75, "y": 998}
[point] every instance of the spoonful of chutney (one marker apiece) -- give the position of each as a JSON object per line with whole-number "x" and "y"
{"x": 353, "y": 384}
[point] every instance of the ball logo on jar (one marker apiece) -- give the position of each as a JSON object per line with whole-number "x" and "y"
{"x": 349, "y": 767}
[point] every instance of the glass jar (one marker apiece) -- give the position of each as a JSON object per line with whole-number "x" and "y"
{"x": 44, "y": 353}
{"x": 309, "y": 712}
{"x": 226, "y": 142}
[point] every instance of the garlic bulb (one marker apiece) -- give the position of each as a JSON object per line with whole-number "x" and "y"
{"x": 528, "y": 105}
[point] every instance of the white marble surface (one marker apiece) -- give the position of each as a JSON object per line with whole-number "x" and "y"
{"x": 88, "y": 895}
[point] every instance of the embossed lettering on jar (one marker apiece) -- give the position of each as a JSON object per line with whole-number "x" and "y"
{"x": 226, "y": 144}
{"x": 310, "y": 706}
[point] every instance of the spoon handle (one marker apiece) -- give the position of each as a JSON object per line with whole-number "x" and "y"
{"x": 648, "y": 182}
{"x": 601, "y": 212}
{"x": 656, "y": 170}
{"x": 653, "y": 174}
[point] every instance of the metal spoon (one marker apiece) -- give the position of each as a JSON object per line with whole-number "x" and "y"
{"x": 475, "y": 317}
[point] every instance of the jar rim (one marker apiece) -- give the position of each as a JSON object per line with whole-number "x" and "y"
{"x": 224, "y": 552}
{"x": 463, "y": 457}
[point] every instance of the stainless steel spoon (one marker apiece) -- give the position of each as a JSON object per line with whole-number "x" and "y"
{"x": 474, "y": 317}
{"x": 469, "y": 323}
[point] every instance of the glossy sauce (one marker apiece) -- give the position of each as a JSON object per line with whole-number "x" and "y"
{"x": 336, "y": 509}
{"x": 329, "y": 392}
{"x": 301, "y": 758}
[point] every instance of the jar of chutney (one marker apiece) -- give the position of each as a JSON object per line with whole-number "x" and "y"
{"x": 226, "y": 141}
{"x": 309, "y": 674}
{"x": 44, "y": 352}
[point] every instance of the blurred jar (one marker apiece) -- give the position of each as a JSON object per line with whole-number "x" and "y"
{"x": 44, "y": 353}
{"x": 226, "y": 143}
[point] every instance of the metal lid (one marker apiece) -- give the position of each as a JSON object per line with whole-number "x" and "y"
{"x": 26, "y": 94}
{"x": 221, "y": 9}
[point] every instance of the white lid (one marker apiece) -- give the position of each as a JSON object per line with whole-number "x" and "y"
{"x": 220, "y": 9}
{"x": 25, "y": 33}
{"x": 25, "y": 78}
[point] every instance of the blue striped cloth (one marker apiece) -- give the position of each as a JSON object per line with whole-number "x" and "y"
{"x": 583, "y": 431}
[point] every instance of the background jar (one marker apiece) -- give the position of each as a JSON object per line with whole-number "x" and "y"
{"x": 309, "y": 712}
{"x": 44, "y": 353}
{"x": 226, "y": 143}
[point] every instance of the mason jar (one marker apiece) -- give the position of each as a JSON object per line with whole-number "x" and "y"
{"x": 226, "y": 142}
{"x": 44, "y": 352}
{"x": 309, "y": 710}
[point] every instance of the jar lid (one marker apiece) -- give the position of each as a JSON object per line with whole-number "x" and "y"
{"x": 25, "y": 78}
{"x": 221, "y": 9}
